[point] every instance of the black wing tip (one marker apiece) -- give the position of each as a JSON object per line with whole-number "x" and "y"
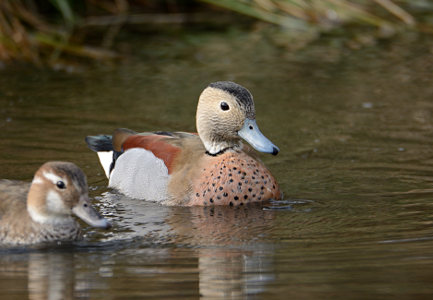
{"x": 166, "y": 133}
{"x": 99, "y": 142}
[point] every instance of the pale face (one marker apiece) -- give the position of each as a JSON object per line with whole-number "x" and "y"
{"x": 59, "y": 190}
{"x": 219, "y": 114}
{"x": 62, "y": 193}
{"x": 225, "y": 114}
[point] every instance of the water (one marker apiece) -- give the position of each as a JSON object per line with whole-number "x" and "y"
{"x": 356, "y": 163}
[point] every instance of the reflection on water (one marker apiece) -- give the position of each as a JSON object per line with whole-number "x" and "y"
{"x": 50, "y": 276}
{"x": 228, "y": 257}
{"x": 216, "y": 252}
{"x": 41, "y": 275}
{"x": 232, "y": 274}
{"x": 356, "y": 165}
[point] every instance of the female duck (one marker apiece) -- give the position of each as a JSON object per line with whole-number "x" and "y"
{"x": 41, "y": 211}
{"x": 178, "y": 168}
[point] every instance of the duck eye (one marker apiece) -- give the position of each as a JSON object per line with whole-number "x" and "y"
{"x": 224, "y": 106}
{"x": 251, "y": 127}
{"x": 61, "y": 185}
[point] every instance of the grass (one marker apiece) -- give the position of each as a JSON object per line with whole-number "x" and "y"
{"x": 26, "y": 35}
{"x": 324, "y": 13}
{"x": 42, "y": 31}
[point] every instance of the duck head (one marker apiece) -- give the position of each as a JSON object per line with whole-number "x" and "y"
{"x": 225, "y": 114}
{"x": 59, "y": 190}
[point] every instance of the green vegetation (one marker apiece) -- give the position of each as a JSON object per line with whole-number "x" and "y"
{"x": 40, "y": 31}
{"x": 322, "y": 13}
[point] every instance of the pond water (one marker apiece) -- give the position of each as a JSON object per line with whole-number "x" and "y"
{"x": 355, "y": 130}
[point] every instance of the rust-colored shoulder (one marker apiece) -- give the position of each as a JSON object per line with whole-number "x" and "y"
{"x": 159, "y": 145}
{"x": 119, "y": 137}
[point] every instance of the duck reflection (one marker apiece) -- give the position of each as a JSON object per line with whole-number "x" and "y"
{"x": 40, "y": 275}
{"x": 231, "y": 275}
{"x": 51, "y": 276}
{"x": 153, "y": 251}
{"x": 231, "y": 247}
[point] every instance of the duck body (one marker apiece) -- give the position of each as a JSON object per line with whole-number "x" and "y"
{"x": 174, "y": 169}
{"x": 212, "y": 167}
{"x": 41, "y": 211}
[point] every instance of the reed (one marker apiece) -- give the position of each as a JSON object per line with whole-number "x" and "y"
{"x": 325, "y": 13}
{"x": 27, "y": 35}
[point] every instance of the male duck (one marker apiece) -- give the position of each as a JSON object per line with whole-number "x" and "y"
{"x": 40, "y": 211}
{"x": 178, "y": 168}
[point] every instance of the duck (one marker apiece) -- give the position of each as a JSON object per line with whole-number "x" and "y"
{"x": 208, "y": 168}
{"x": 41, "y": 211}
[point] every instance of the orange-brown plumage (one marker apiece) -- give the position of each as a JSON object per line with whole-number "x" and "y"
{"x": 233, "y": 179}
{"x": 157, "y": 144}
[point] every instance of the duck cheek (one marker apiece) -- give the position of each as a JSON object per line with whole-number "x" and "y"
{"x": 56, "y": 204}
{"x": 86, "y": 212}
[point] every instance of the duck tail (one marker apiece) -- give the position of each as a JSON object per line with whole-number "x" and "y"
{"x": 103, "y": 146}
{"x": 99, "y": 143}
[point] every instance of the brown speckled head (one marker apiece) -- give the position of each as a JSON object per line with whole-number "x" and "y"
{"x": 59, "y": 179}
{"x": 58, "y": 190}
{"x": 233, "y": 178}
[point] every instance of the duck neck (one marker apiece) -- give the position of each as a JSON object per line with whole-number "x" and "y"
{"x": 215, "y": 148}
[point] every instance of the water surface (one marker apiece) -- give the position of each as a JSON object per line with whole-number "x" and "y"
{"x": 356, "y": 163}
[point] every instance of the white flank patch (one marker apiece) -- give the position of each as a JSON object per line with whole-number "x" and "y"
{"x": 37, "y": 180}
{"x": 54, "y": 178}
{"x": 106, "y": 158}
{"x": 140, "y": 174}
